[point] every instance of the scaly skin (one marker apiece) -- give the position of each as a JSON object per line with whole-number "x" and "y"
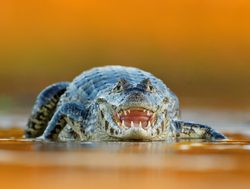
{"x": 112, "y": 103}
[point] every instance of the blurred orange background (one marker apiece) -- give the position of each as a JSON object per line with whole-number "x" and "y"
{"x": 199, "y": 48}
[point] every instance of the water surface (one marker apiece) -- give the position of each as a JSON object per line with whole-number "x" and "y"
{"x": 168, "y": 164}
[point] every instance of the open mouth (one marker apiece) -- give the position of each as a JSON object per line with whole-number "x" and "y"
{"x": 135, "y": 117}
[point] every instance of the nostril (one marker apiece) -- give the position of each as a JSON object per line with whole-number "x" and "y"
{"x": 101, "y": 100}
{"x": 136, "y": 96}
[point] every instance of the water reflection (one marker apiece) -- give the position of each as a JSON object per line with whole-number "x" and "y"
{"x": 83, "y": 163}
{"x": 17, "y": 143}
{"x": 177, "y": 155}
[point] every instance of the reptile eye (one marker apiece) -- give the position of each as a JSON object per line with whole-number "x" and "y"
{"x": 119, "y": 86}
{"x": 150, "y": 88}
{"x": 148, "y": 85}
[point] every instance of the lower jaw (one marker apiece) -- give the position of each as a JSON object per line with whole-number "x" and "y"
{"x": 158, "y": 132}
{"x": 136, "y": 134}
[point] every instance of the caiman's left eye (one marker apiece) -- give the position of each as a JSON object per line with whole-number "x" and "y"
{"x": 148, "y": 85}
{"x": 150, "y": 88}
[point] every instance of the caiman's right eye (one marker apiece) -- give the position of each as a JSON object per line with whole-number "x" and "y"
{"x": 118, "y": 88}
{"x": 120, "y": 85}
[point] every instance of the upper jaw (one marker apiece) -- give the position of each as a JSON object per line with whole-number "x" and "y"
{"x": 136, "y": 123}
{"x": 135, "y": 117}
{"x": 133, "y": 122}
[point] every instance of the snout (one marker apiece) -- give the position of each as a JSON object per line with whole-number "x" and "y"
{"x": 136, "y": 96}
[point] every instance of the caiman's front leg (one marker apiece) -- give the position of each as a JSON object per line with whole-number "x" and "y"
{"x": 193, "y": 130}
{"x": 72, "y": 114}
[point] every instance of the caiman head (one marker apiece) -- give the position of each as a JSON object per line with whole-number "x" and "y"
{"x": 138, "y": 111}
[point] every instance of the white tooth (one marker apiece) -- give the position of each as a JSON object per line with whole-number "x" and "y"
{"x": 144, "y": 110}
{"x": 118, "y": 115}
{"x": 149, "y": 124}
{"x": 140, "y": 124}
{"x": 148, "y": 113}
{"x": 125, "y": 113}
{"x": 123, "y": 124}
{"x": 131, "y": 124}
{"x": 129, "y": 111}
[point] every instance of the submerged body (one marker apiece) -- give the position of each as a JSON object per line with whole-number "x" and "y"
{"x": 111, "y": 103}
